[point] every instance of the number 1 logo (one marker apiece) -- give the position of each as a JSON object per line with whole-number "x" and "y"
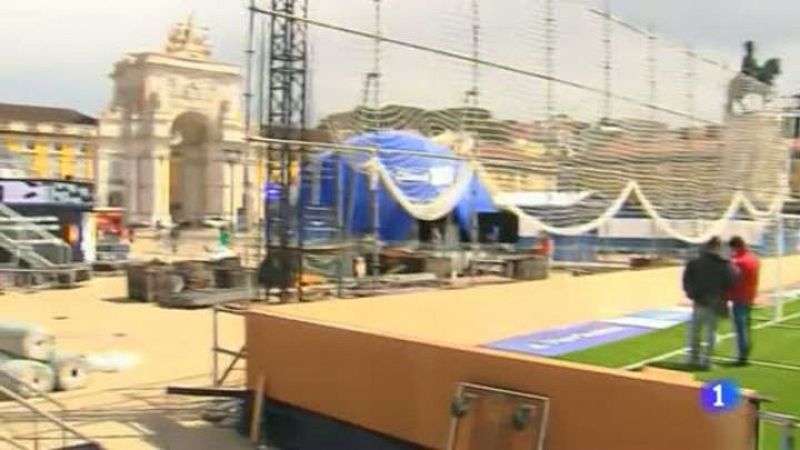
{"x": 719, "y": 402}
{"x": 720, "y": 396}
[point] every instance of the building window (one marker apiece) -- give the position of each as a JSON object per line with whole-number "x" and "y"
{"x": 117, "y": 168}
{"x": 115, "y": 199}
{"x": 27, "y": 160}
{"x": 80, "y": 168}
{"x": 116, "y": 171}
{"x": 54, "y": 166}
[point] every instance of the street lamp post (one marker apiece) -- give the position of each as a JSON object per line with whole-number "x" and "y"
{"x": 138, "y": 189}
{"x": 231, "y": 159}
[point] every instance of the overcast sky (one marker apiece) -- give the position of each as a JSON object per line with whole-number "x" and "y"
{"x": 60, "y": 52}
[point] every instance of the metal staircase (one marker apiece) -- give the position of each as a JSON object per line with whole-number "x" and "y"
{"x": 30, "y": 239}
{"x": 27, "y": 245}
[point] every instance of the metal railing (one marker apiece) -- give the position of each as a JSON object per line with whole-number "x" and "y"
{"x": 19, "y": 235}
{"x": 787, "y": 424}
{"x": 41, "y": 234}
{"x": 238, "y": 355}
{"x": 25, "y": 252}
{"x": 68, "y": 434}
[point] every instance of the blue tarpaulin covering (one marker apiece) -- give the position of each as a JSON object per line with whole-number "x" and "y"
{"x": 420, "y": 177}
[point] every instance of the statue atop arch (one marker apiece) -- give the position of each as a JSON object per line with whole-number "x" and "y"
{"x": 185, "y": 40}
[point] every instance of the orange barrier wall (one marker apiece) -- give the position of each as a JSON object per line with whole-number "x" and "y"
{"x": 403, "y": 387}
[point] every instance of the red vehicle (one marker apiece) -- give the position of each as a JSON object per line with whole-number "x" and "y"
{"x": 109, "y": 223}
{"x": 113, "y": 238}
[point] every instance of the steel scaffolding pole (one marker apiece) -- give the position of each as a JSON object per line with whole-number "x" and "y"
{"x": 285, "y": 118}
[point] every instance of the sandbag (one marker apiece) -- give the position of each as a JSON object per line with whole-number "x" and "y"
{"x": 33, "y": 376}
{"x": 26, "y": 341}
{"x": 71, "y": 372}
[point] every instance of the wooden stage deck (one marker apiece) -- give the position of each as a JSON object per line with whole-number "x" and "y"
{"x": 489, "y": 313}
{"x": 392, "y": 364}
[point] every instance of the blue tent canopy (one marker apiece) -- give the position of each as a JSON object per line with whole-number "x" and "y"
{"x": 420, "y": 177}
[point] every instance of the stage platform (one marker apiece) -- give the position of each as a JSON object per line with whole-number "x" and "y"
{"x": 484, "y": 314}
{"x": 392, "y": 365}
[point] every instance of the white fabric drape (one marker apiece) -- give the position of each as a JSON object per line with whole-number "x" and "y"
{"x": 738, "y": 202}
{"x": 431, "y": 210}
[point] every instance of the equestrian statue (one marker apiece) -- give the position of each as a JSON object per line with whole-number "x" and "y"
{"x": 753, "y": 79}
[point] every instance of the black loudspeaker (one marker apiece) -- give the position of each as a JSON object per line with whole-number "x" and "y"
{"x": 279, "y": 269}
{"x": 500, "y": 228}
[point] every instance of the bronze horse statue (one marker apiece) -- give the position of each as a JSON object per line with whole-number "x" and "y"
{"x": 753, "y": 78}
{"x": 750, "y": 67}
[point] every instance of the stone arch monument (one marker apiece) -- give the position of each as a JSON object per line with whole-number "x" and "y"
{"x": 172, "y": 140}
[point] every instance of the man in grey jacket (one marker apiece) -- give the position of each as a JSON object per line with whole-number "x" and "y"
{"x": 706, "y": 278}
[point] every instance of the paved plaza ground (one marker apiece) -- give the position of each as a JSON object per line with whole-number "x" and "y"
{"x": 129, "y": 409}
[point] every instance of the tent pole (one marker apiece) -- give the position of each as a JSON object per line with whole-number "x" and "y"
{"x": 447, "y": 240}
{"x": 473, "y": 232}
{"x": 300, "y": 217}
{"x": 473, "y": 217}
{"x": 779, "y": 292}
{"x": 375, "y": 219}
{"x": 337, "y": 208}
{"x": 472, "y": 101}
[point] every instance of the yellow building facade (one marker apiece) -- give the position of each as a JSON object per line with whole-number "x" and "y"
{"x": 50, "y": 143}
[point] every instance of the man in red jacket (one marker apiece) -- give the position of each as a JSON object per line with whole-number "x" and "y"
{"x": 743, "y": 294}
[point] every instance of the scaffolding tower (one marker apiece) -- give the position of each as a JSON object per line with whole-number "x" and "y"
{"x": 283, "y": 115}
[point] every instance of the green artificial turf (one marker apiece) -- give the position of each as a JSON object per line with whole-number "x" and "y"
{"x": 779, "y": 345}
{"x": 631, "y": 351}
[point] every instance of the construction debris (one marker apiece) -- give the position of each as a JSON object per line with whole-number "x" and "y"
{"x": 190, "y": 284}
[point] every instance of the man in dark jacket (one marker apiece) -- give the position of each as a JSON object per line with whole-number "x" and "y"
{"x": 705, "y": 281}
